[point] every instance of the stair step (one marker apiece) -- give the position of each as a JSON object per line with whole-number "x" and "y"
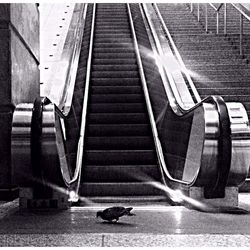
{"x": 221, "y": 84}
{"x": 118, "y": 189}
{"x": 119, "y": 130}
{"x": 221, "y": 77}
{"x": 224, "y": 91}
{"x": 234, "y": 98}
{"x": 230, "y": 71}
{"x": 119, "y": 142}
{"x": 213, "y": 61}
{"x": 120, "y": 157}
{"x": 119, "y": 173}
{"x": 218, "y": 67}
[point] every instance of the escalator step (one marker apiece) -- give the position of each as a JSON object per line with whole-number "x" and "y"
{"x": 114, "y": 40}
{"x": 114, "y": 61}
{"x": 115, "y": 74}
{"x": 119, "y": 142}
{"x": 121, "y": 157}
{"x": 112, "y": 45}
{"x": 114, "y": 50}
{"x": 117, "y": 108}
{"x": 115, "y": 82}
{"x": 121, "y": 173}
{"x": 113, "y": 118}
{"x": 100, "y": 55}
{"x": 118, "y": 129}
{"x": 118, "y": 189}
{"x": 116, "y": 68}
{"x": 112, "y": 35}
{"x": 116, "y": 98}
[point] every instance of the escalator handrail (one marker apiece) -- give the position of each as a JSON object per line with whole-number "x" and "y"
{"x": 66, "y": 102}
{"x": 148, "y": 103}
{"x": 77, "y": 172}
{"x": 224, "y": 149}
{"x": 177, "y": 54}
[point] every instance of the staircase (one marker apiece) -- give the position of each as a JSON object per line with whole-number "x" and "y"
{"x": 214, "y": 63}
{"x": 119, "y": 146}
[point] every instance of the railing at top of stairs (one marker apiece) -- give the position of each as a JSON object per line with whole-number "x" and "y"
{"x": 244, "y": 15}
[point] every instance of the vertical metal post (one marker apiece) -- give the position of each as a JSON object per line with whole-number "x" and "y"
{"x": 198, "y": 12}
{"x": 241, "y": 34}
{"x": 225, "y": 18}
{"x": 206, "y": 21}
{"x": 191, "y": 7}
{"x": 217, "y": 22}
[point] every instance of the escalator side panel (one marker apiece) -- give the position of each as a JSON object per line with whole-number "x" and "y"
{"x": 73, "y": 120}
{"x": 169, "y": 129}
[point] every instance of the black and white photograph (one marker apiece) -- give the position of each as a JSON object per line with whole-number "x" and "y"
{"x": 124, "y": 124}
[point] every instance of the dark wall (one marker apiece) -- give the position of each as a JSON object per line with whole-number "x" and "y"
{"x": 19, "y": 74}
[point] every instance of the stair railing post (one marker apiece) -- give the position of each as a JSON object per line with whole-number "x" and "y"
{"x": 198, "y": 12}
{"x": 217, "y": 22}
{"x": 206, "y": 18}
{"x": 225, "y": 18}
{"x": 241, "y": 34}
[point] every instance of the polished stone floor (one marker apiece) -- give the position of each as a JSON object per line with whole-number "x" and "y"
{"x": 159, "y": 225}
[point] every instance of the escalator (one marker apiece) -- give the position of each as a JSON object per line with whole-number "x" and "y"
{"x": 119, "y": 145}
{"x": 128, "y": 132}
{"x": 213, "y": 61}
